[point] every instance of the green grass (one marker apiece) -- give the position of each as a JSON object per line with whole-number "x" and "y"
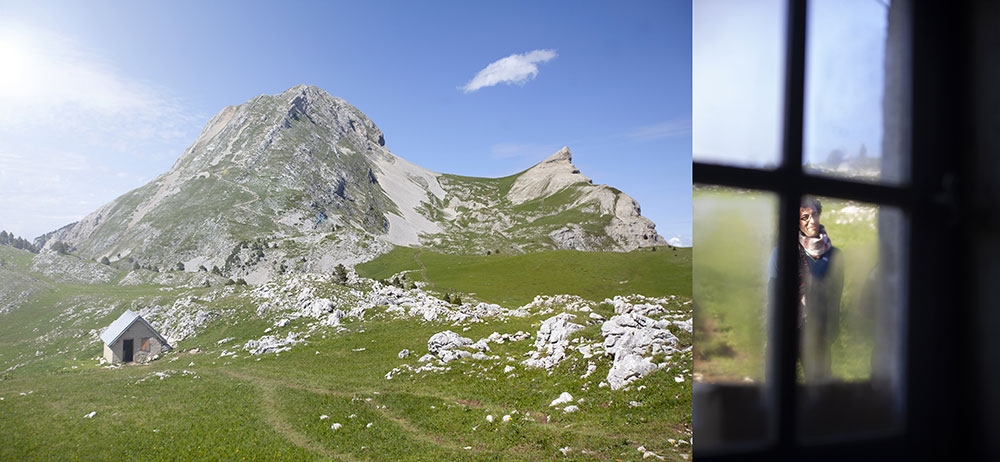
{"x": 513, "y": 280}
{"x": 267, "y": 407}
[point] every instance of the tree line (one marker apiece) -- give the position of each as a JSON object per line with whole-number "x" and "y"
{"x": 17, "y": 242}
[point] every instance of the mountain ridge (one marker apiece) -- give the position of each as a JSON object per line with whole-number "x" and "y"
{"x": 302, "y": 181}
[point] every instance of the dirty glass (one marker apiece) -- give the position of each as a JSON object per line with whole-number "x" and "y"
{"x": 734, "y": 234}
{"x": 847, "y": 98}
{"x": 737, "y": 82}
{"x": 850, "y": 357}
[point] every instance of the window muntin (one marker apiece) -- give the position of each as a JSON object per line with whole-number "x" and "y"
{"x": 725, "y": 413}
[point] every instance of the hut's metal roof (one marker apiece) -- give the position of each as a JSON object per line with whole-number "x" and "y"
{"x": 122, "y": 324}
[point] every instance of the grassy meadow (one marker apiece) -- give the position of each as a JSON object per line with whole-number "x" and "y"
{"x": 209, "y": 399}
{"x": 734, "y": 237}
{"x": 512, "y": 280}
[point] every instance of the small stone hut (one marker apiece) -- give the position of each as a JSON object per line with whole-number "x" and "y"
{"x": 131, "y": 338}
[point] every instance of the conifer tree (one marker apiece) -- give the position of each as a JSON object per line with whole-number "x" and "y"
{"x": 341, "y": 273}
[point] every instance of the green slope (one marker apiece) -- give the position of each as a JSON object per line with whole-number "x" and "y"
{"x": 268, "y": 407}
{"x": 513, "y": 280}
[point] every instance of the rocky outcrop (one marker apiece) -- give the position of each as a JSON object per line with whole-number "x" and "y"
{"x": 630, "y": 339}
{"x": 547, "y": 178}
{"x": 444, "y": 345}
{"x": 628, "y": 229}
{"x": 571, "y": 237}
{"x": 64, "y": 268}
{"x": 552, "y": 340}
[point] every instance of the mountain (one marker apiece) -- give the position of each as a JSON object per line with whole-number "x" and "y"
{"x": 302, "y": 181}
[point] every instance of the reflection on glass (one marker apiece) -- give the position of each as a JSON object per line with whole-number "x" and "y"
{"x": 847, "y": 103}
{"x": 738, "y": 73}
{"x": 850, "y": 317}
{"x": 734, "y": 232}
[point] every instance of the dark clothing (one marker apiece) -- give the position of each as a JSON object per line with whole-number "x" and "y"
{"x": 821, "y": 283}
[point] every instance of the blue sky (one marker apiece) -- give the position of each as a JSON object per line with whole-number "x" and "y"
{"x": 97, "y": 98}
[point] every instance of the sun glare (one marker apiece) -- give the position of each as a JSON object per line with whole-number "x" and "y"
{"x": 19, "y": 68}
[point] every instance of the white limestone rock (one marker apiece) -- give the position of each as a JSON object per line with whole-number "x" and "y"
{"x": 552, "y": 340}
{"x": 272, "y": 344}
{"x": 446, "y": 340}
{"x": 444, "y": 345}
{"x": 563, "y": 398}
{"x": 546, "y": 178}
{"x": 627, "y": 368}
{"x": 631, "y": 339}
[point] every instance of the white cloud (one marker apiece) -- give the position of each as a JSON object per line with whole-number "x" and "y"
{"x": 514, "y": 69}
{"x": 675, "y": 241}
{"x": 530, "y": 151}
{"x": 661, "y": 130}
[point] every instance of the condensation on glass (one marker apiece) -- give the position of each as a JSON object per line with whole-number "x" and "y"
{"x": 854, "y": 85}
{"x": 851, "y": 280}
{"x": 734, "y": 235}
{"x": 737, "y": 81}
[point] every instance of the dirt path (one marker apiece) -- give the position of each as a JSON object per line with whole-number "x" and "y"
{"x": 269, "y": 408}
{"x": 244, "y": 205}
{"x": 269, "y": 386}
{"x": 423, "y": 269}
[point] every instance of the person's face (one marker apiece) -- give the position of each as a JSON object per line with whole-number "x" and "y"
{"x": 809, "y": 221}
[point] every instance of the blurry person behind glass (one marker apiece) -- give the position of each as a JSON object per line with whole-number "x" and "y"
{"x": 821, "y": 283}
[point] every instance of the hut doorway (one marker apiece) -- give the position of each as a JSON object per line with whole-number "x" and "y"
{"x": 127, "y": 349}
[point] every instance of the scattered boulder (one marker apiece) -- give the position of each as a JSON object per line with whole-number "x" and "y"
{"x": 446, "y": 340}
{"x": 552, "y": 340}
{"x": 629, "y": 338}
{"x": 628, "y": 368}
{"x": 563, "y": 398}
{"x": 272, "y": 344}
{"x": 444, "y": 344}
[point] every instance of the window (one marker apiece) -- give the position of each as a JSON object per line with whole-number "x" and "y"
{"x": 755, "y": 400}
{"x": 145, "y": 344}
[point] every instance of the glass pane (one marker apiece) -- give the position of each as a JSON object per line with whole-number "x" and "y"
{"x": 856, "y": 93}
{"x": 850, "y": 315}
{"x": 734, "y": 233}
{"x": 738, "y": 52}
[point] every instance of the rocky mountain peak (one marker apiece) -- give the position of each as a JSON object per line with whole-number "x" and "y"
{"x": 547, "y": 177}
{"x": 561, "y": 156}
